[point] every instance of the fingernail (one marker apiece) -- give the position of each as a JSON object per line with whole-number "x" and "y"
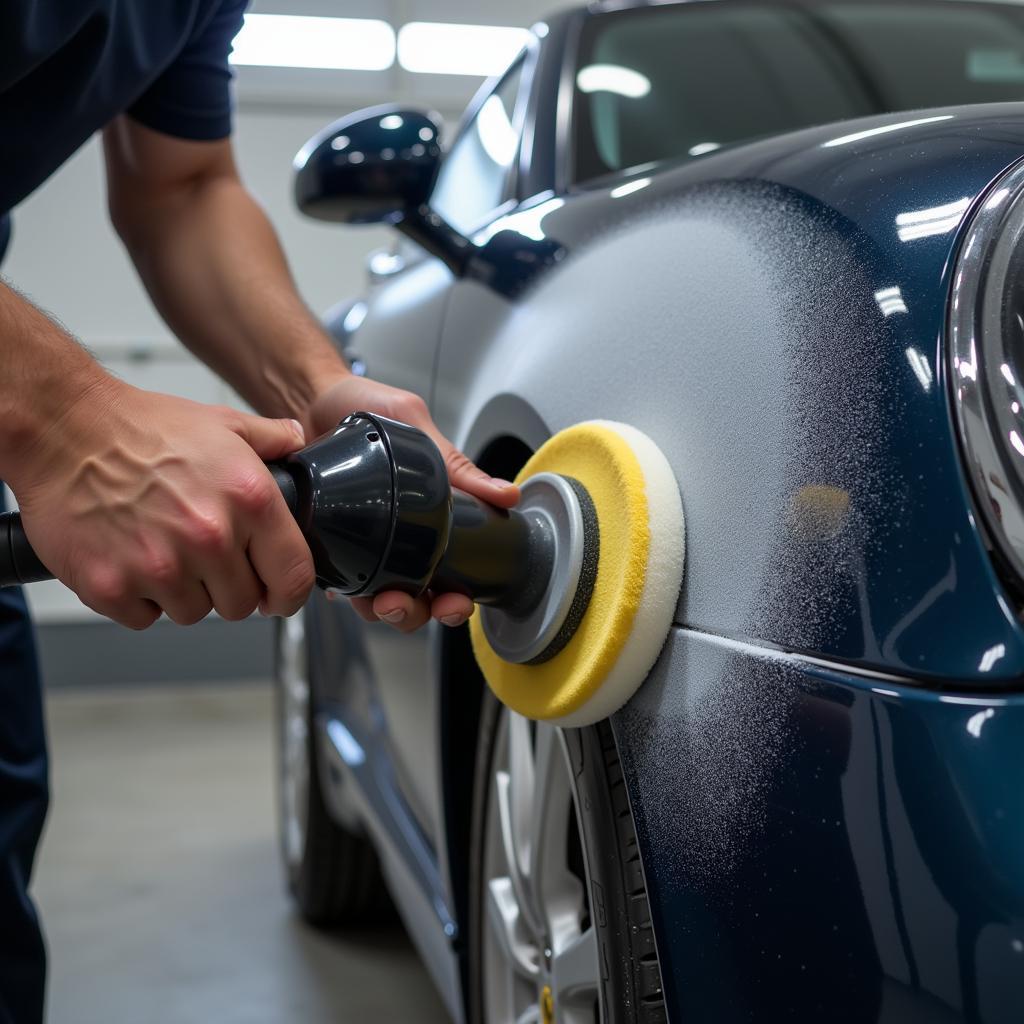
{"x": 503, "y": 483}
{"x": 297, "y": 426}
{"x": 392, "y": 617}
{"x": 452, "y": 620}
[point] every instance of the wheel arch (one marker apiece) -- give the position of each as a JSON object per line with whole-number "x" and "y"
{"x": 503, "y": 454}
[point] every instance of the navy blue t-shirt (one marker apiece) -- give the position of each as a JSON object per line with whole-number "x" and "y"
{"x": 68, "y": 67}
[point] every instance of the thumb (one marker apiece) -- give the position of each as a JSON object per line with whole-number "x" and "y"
{"x": 270, "y": 439}
{"x": 467, "y": 476}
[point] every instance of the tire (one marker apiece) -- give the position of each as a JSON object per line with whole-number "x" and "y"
{"x": 579, "y": 876}
{"x": 332, "y": 873}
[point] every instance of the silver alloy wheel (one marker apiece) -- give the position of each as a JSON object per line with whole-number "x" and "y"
{"x": 293, "y": 683}
{"x": 540, "y": 955}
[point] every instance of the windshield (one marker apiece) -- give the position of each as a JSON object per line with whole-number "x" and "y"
{"x": 684, "y": 80}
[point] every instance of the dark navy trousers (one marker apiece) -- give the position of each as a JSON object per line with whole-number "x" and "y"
{"x": 23, "y": 799}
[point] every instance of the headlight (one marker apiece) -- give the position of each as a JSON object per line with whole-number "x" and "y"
{"x": 987, "y": 369}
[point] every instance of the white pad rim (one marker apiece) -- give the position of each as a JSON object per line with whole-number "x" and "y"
{"x": 656, "y": 611}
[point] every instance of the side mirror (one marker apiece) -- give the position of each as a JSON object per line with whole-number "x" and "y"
{"x": 369, "y": 167}
{"x": 378, "y": 166}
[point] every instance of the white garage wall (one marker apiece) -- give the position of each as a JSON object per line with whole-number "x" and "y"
{"x": 67, "y": 258}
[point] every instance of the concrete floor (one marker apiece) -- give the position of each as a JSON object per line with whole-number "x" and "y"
{"x": 159, "y": 880}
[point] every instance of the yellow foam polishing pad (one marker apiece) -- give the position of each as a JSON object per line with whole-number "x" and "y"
{"x": 639, "y": 572}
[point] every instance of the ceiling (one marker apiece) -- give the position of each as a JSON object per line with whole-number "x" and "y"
{"x": 341, "y": 91}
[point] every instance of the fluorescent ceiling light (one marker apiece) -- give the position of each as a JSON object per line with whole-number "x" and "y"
{"x": 997, "y": 200}
{"x": 890, "y": 301}
{"x": 629, "y": 188}
{"x": 529, "y": 222}
{"x": 844, "y": 140}
{"x": 704, "y": 147}
{"x": 919, "y": 364}
{"x": 497, "y": 135}
{"x": 298, "y": 41}
{"x": 977, "y": 721}
{"x": 613, "y": 78}
{"x": 938, "y": 220}
{"x": 439, "y": 48}
{"x": 969, "y": 370}
{"x": 989, "y": 658}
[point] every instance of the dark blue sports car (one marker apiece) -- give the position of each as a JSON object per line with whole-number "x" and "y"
{"x": 786, "y": 241}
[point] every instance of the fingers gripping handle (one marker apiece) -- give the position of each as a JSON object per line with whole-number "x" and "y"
{"x": 286, "y": 482}
{"x": 19, "y": 563}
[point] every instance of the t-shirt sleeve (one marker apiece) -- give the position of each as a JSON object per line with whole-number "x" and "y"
{"x": 191, "y": 99}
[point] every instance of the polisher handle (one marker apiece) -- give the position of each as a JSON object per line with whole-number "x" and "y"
{"x": 494, "y": 556}
{"x": 19, "y": 563}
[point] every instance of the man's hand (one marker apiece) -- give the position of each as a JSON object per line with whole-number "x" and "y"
{"x": 143, "y": 503}
{"x": 351, "y": 394}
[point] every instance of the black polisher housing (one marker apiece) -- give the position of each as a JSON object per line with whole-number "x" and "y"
{"x": 372, "y": 498}
{"x": 373, "y": 501}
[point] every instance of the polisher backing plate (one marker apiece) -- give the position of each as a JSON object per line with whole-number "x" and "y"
{"x": 639, "y": 572}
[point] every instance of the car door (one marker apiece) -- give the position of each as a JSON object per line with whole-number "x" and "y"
{"x": 398, "y": 342}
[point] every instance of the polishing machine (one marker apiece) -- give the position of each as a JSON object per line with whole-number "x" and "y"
{"x": 576, "y": 585}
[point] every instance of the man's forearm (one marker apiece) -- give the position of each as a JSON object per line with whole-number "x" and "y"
{"x": 43, "y": 373}
{"x": 214, "y": 267}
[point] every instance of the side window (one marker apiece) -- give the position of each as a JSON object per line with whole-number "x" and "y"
{"x": 473, "y": 178}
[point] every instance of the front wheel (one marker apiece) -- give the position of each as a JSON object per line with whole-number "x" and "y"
{"x": 560, "y": 921}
